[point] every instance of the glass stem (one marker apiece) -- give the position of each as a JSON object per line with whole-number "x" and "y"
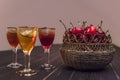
{"x": 27, "y": 62}
{"x": 47, "y": 53}
{"x": 15, "y": 55}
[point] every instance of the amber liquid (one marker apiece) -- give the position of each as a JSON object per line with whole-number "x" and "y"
{"x": 46, "y": 37}
{"x": 12, "y": 38}
{"x": 27, "y": 41}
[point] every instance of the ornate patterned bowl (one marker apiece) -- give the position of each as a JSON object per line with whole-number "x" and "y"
{"x": 87, "y": 56}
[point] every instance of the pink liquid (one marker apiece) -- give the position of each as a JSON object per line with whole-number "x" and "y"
{"x": 12, "y": 39}
{"x": 46, "y": 40}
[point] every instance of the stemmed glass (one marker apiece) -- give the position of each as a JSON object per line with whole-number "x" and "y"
{"x": 27, "y": 39}
{"x": 13, "y": 41}
{"x": 46, "y": 37}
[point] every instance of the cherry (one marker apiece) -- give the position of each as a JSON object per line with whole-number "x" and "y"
{"x": 90, "y": 30}
{"x": 99, "y": 34}
{"x": 106, "y": 38}
{"x": 100, "y": 31}
{"x": 77, "y": 30}
{"x": 80, "y": 38}
{"x": 96, "y": 38}
{"x": 87, "y": 38}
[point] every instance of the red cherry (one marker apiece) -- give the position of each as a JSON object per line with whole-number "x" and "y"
{"x": 80, "y": 38}
{"x": 104, "y": 39}
{"x": 97, "y": 38}
{"x": 90, "y": 30}
{"x": 87, "y": 38}
{"x": 69, "y": 30}
{"x": 100, "y": 31}
{"x": 89, "y": 33}
{"x": 77, "y": 30}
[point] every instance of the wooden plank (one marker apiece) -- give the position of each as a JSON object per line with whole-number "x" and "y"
{"x": 36, "y": 60}
{"x": 70, "y": 74}
{"x": 105, "y": 74}
{"x": 66, "y": 73}
{"x": 61, "y": 72}
{"x": 116, "y": 63}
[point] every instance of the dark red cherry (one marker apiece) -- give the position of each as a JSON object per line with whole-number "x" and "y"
{"x": 100, "y": 31}
{"x": 80, "y": 38}
{"x": 87, "y": 38}
{"x": 90, "y": 30}
{"x": 77, "y": 30}
{"x": 104, "y": 39}
{"x": 99, "y": 34}
{"x": 70, "y": 30}
{"x": 89, "y": 33}
{"x": 96, "y": 38}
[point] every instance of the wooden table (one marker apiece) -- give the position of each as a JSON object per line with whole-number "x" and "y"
{"x": 61, "y": 72}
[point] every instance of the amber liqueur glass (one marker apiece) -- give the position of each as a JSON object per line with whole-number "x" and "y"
{"x": 27, "y": 39}
{"x": 46, "y": 37}
{"x": 13, "y": 41}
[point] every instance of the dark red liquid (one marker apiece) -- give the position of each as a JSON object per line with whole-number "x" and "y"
{"x": 12, "y": 39}
{"x": 46, "y": 40}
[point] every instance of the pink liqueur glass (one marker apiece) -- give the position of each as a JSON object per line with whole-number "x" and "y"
{"x": 46, "y": 37}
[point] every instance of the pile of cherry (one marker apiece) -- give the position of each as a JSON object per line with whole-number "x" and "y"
{"x": 86, "y": 34}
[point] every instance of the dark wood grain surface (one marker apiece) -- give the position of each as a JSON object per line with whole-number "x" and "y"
{"x": 61, "y": 72}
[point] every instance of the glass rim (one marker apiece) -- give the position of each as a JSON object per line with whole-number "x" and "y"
{"x": 24, "y": 27}
{"x": 12, "y": 27}
{"x": 47, "y": 28}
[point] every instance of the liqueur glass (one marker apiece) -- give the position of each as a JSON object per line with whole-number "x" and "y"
{"x": 13, "y": 41}
{"x": 46, "y": 37}
{"x": 27, "y": 39}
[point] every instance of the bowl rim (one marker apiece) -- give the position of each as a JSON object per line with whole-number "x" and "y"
{"x": 88, "y": 43}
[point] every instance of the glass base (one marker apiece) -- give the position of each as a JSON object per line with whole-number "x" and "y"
{"x": 27, "y": 72}
{"x": 47, "y": 66}
{"x": 14, "y": 65}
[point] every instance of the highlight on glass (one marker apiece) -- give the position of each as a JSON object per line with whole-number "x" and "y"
{"x": 27, "y": 39}
{"x": 13, "y": 41}
{"x": 46, "y": 37}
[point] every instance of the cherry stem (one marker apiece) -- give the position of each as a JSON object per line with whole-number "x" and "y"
{"x": 63, "y": 24}
{"x": 107, "y": 32}
{"x": 100, "y": 25}
{"x": 84, "y": 23}
{"x": 109, "y": 36}
{"x": 71, "y": 24}
{"x": 79, "y": 23}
